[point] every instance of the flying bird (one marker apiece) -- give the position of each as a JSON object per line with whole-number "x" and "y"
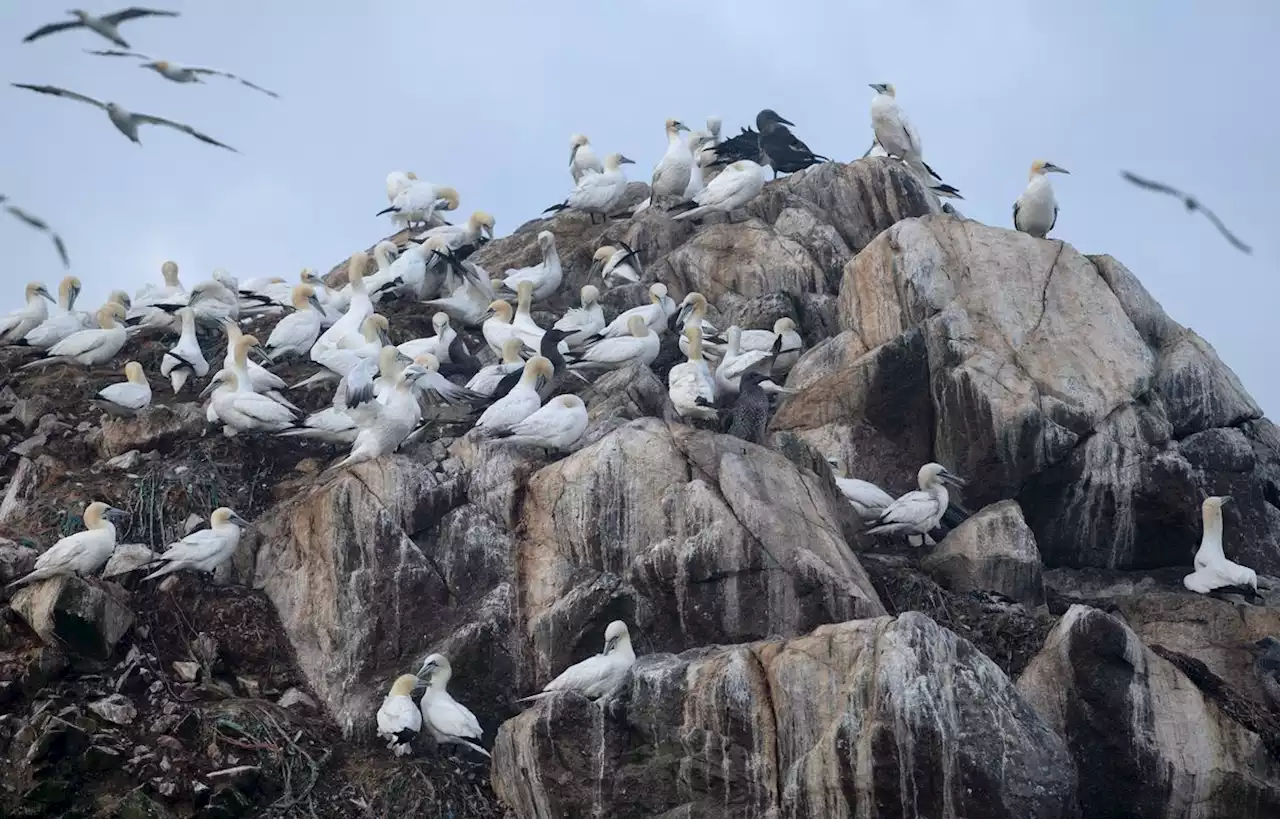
{"x": 107, "y": 25}
{"x": 126, "y": 121}
{"x": 38, "y": 224}
{"x": 1192, "y": 205}
{"x": 180, "y": 73}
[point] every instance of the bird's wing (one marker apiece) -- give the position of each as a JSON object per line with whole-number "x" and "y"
{"x": 575, "y": 318}
{"x": 359, "y": 383}
{"x": 912, "y": 508}
{"x": 864, "y": 493}
{"x": 261, "y": 408}
{"x": 398, "y": 714}
{"x": 77, "y": 343}
{"x": 41, "y": 225}
{"x": 1016, "y": 208}
{"x": 111, "y": 52}
{"x": 580, "y": 676}
{"x": 52, "y": 28}
{"x": 547, "y": 422}
{"x": 452, "y": 718}
{"x": 186, "y": 129}
{"x": 133, "y": 12}
{"x": 913, "y": 136}
{"x": 59, "y": 92}
{"x": 126, "y": 394}
{"x": 1230, "y": 237}
{"x": 61, "y": 553}
{"x": 1152, "y": 185}
{"x": 194, "y": 546}
{"x": 231, "y": 76}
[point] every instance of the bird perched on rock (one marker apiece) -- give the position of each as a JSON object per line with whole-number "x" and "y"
{"x": 597, "y": 676}
{"x": 126, "y": 121}
{"x": 617, "y": 266}
{"x": 545, "y": 276}
{"x": 1192, "y": 205}
{"x": 690, "y": 385}
{"x": 1213, "y": 570}
{"x": 64, "y": 321}
{"x": 598, "y": 193}
{"x": 108, "y": 25}
{"x": 1036, "y": 210}
{"x": 582, "y": 159}
{"x": 780, "y": 149}
{"x": 206, "y": 549}
{"x": 399, "y": 718}
{"x": 448, "y": 720}
{"x": 749, "y": 417}
{"x": 128, "y": 397}
{"x": 867, "y": 499}
{"x": 899, "y": 138}
{"x": 82, "y": 553}
{"x": 520, "y": 403}
{"x": 671, "y": 174}
{"x": 90, "y": 348}
{"x": 1267, "y": 666}
{"x": 736, "y": 185}
{"x": 556, "y": 426}
{"x": 15, "y": 326}
{"x": 919, "y": 512}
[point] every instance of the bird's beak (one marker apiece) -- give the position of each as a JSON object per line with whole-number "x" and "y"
{"x": 786, "y": 121}
{"x": 954, "y": 480}
{"x": 1226, "y": 499}
{"x": 75, "y": 293}
{"x": 420, "y": 683}
{"x": 383, "y": 337}
{"x": 1049, "y": 167}
{"x": 609, "y": 646}
{"x": 239, "y": 521}
{"x": 43, "y": 292}
{"x": 684, "y": 312}
{"x": 487, "y": 231}
{"x": 213, "y": 385}
{"x": 622, "y": 160}
{"x": 680, "y": 126}
{"x": 315, "y": 303}
{"x": 878, "y": 88}
{"x": 113, "y": 513}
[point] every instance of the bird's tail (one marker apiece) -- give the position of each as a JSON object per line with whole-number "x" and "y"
{"x": 38, "y": 574}
{"x": 391, "y": 209}
{"x": 284, "y": 402}
{"x": 47, "y": 362}
{"x": 312, "y": 380}
{"x": 163, "y": 570}
{"x": 535, "y": 697}
{"x": 557, "y": 208}
{"x": 690, "y": 214}
{"x": 946, "y": 191}
{"x": 475, "y": 747}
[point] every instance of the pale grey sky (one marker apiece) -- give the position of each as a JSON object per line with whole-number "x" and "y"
{"x": 485, "y": 96}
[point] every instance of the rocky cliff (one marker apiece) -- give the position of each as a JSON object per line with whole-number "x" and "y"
{"x": 1043, "y": 660}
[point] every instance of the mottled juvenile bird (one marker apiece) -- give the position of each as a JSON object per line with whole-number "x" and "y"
{"x": 750, "y": 413}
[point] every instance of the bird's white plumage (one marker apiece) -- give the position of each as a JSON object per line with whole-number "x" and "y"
{"x": 545, "y": 276}
{"x": 1212, "y": 568}
{"x": 691, "y": 380}
{"x": 185, "y": 358}
{"x": 671, "y": 174}
{"x": 82, "y": 553}
{"x": 557, "y": 425}
{"x": 597, "y": 676}
{"x": 398, "y": 714}
{"x": 582, "y": 322}
{"x": 448, "y": 720}
{"x": 204, "y": 550}
{"x": 517, "y": 405}
{"x": 733, "y": 188}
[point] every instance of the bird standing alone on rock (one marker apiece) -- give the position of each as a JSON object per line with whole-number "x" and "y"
{"x": 597, "y": 676}
{"x": 82, "y": 553}
{"x": 1036, "y": 210}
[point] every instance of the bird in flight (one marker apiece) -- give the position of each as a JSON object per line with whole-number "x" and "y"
{"x": 180, "y": 73}
{"x": 125, "y": 121}
{"x": 107, "y": 25}
{"x": 38, "y": 224}
{"x": 1192, "y": 205}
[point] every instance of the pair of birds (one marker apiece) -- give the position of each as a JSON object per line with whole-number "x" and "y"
{"x": 915, "y": 514}
{"x": 451, "y": 722}
{"x": 85, "y": 553}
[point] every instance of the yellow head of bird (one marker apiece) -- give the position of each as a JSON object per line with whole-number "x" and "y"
{"x": 356, "y": 266}
{"x": 481, "y": 222}
{"x": 133, "y": 373}
{"x": 511, "y": 350}
{"x": 637, "y": 326}
{"x": 603, "y": 253}
{"x": 450, "y": 196}
{"x": 578, "y": 140}
{"x": 501, "y": 310}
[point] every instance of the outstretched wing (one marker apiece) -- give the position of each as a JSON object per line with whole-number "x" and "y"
{"x": 40, "y": 225}
{"x": 52, "y": 28}
{"x": 59, "y": 92}
{"x": 186, "y": 129}
{"x": 1152, "y": 185}
{"x": 241, "y": 80}
{"x": 133, "y": 12}
{"x": 111, "y": 52}
{"x": 1191, "y": 204}
{"x": 1230, "y": 237}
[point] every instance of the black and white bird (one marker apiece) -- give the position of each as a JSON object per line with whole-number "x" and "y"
{"x": 125, "y": 121}
{"x": 1036, "y": 210}
{"x": 108, "y": 25}
{"x": 180, "y": 73}
{"x": 749, "y": 417}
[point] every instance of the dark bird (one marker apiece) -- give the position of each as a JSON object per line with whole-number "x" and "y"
{"x": 181, "y": 73}
{"x": 749, "y": 417}
{"x": 745, "y": 145}
{"x": 1267, "y": 665}
{"x": 38, "y": 224}
{"x": 125, "y": 121}
{"x": 1192, "y": 205}
{"x": 107, "y": 25}
{"x": 780, "y": 148}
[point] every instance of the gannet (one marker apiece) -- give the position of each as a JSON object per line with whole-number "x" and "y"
{"x": 399, "y": 718}
{"x": 693, "y": 312}
{"x": 622, "y": 351}
{"x": 204, "y": 550}
{"x": 90, "y": 347}
{"x": 671, "y": 175}
{"x": 83, "y": 553}
{"x": 616, "y": 265}
{"x": 432, "y": 385}
{"x": 144, "y": 311}
{"x": 105, "y": 26}
{"x": 736, "y": 362}
{"x": 448, "y": 721}
{"x": 253, "y": 376}
{"x": 1213, "y": 570}
{"x": 655, "y": 314}
{"x": 918, "y": 512}
{"x": 359, "y": 376}
{"x": 520, "y": 403}
{"x": 696, "y": 139}
{"x": 356, "y": 312}
{"x": 895, "y": 133}
{"x": 468, "y": 304}
{"x": 710, "y": 139}
{"x": 522, "y": 323}
{"x": 418, "y": 203}
{"x": 38, "y": 224}
{"x": 1036, "y": 211}
{"x": 264, "y": 295}
{"x": 329, "y": 312}
{"x": 582, "y": 322}
{"x": 736, "y": 185}
{"x": 749, "y": 415}
{"x": 63, "y": 322}
{"x": 15, "y": 326}
{"x": 789, "y": 352}
{"x": 463, "y": 239}
{"x": 581, "y": 158}
{"x": 867, "y": 499}
{"x": 240, "y": 410}
{"x": 1192, "y": 204}
{"x": 545, "y": 276}
{"x": 126, "y": 121}
{"x": 690, "y": 386}
{"x": 437, "y": 345}
{"x": 487, "y": 380}
{"x": 779, "y": 148}
{"x": 185, "y": 358}
{"x": 497, "y": 328}
{"x": 598, "y": 193}
{"x": 129, "y": 397}
{"x": 399, "y": 181}
{"x": 213, "y": 301}
{"x": 180, "y": 73}
{"x": 557, "y": 425}
{"x": 297, "y": 332}
{"x": 597, "y": 676}
{"x": 384, "y": 423}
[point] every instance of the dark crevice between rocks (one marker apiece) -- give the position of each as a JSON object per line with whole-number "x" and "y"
{"x": 1249, "y": 714}
{"x": 769, "y": 712}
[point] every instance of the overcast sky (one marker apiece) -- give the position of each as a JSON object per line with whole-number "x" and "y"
{"x": 485, "y": 96}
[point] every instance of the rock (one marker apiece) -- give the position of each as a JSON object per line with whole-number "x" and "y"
{"x": 84, "y": 617}
{"x": 56, "y": 740}
{"x": 187, "y": 671}
{"x": 159, "y": 427}
{"x": 27, "y": 411}
{"x": 115, "y": 709}
{"x": 51, "y": 792}
{"x": 30, "y": 447}
{"x": 137, "y": 805}
{"x": 893, "y": 712}
{"x": 23, "y": 484}
{"x": 127, "y": 461}
{"x": 250, "y": 686}
{"x": 241, "y": 777}
{"x": 294, "y": 698}
{"x": 16, "y": 560}
{"x": 101, "y": 758}
{"x": 992, "y": 551}
{"x": 1146, "y": 741}
{"x": 128, "y": 557}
